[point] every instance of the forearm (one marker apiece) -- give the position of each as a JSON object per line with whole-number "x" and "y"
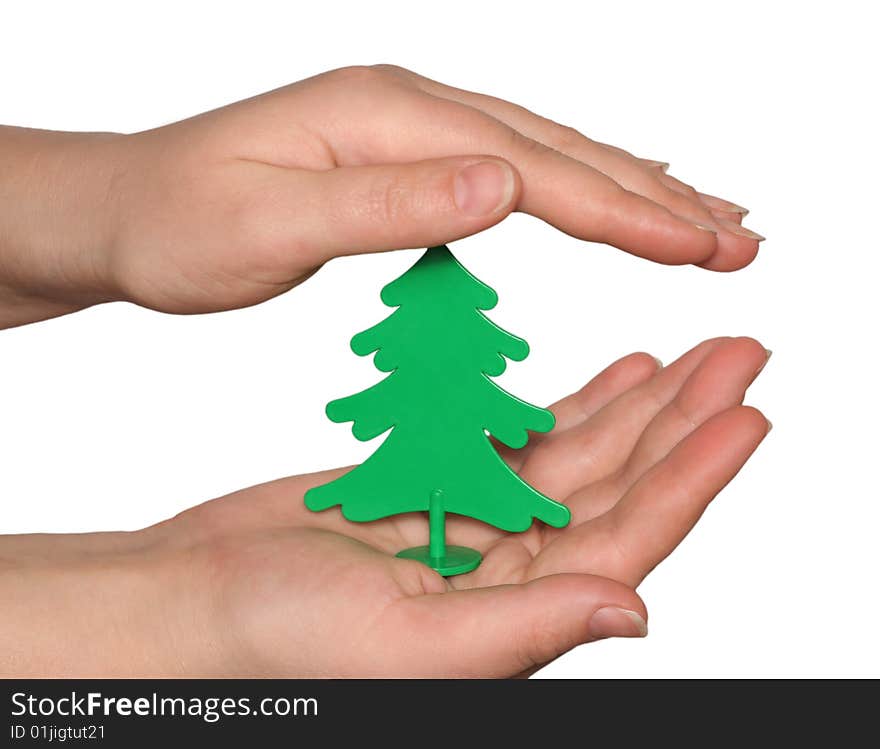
{"x": 87, "y": 605}
{"x": 57, "y": 220}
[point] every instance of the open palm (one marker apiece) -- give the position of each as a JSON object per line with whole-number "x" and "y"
{"x": 637, "y": 455}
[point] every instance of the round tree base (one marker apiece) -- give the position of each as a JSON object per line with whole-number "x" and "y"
{"x": 456, "y": 561}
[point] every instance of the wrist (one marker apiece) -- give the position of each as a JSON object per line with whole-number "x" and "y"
{"x": 94, "y": 605}
{"x": 58, "y": 218}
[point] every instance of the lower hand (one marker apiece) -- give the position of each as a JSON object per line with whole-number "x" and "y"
{"x": 255, "y": 584}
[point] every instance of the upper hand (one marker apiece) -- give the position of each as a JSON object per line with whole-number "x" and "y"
{"x": 234, "y": 206}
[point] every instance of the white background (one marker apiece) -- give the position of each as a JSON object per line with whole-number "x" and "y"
{"x": 117, "y": 417}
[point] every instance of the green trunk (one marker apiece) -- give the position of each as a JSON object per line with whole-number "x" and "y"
{"x": 437, "y": 525}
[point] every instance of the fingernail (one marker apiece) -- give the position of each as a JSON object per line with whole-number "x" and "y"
{"x": 764, "y": 363}
{"x": 483, "y": 188}
{"x": 769, "y": 425}
{"x": 735, "y": 228}
{"x": 706, "y": 228}
{"x": 659, "y": 363}
{"x": 611, "y": 621}
{"x": 721, "y": 205}
{"x": 663, "y": 166}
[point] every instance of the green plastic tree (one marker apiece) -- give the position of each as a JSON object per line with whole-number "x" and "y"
{"x": 440, "y": 406}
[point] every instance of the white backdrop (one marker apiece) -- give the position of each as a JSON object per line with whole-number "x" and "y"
{"x": 117, "y": 417}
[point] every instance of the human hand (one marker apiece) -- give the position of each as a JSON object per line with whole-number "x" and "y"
{"x": 254, "y": 584}
{"x": 237, "y": 205}
{"x": 266, "y": 587}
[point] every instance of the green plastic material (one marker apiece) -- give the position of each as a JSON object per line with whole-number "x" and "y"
{"x": 440, "y": 406}
{"x": 447, "y": 560}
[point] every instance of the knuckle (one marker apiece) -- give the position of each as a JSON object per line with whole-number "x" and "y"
{"x": 390, "y": 69}
{"x": 688, "y": 192}
{"x": 523, "y": 144}
{"x": 460, "y": 118}
{"x": 358, "y": 75}
{"x": 388, "y": 198}
{"x": 567, "y": 139}
{"x": 687, "y": 189}
{"x": 541, "y": 642}
{"x": 614, "y": 198}
{"x": 684, "y": 205}
{"x": 616, "y": 555}
{"x": 686, "y": 414}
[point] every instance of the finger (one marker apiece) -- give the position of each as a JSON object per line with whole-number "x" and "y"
{"x": 737, "y": 245}
{"x": 350, "y": 210}
{"x": 611, "y": 382}
{"x": 564, "y": 463}
{"x": 719, "y": 383}
{"x": 735, "y": 249}
{"x": 712, "y": 202}
{"x": 518, "y": 117}
{"x": 724, "y": 209}
{"x": 735, "y": 254}
{"x": 571, "y": 411}
{"x": 587, "y": 204}
{"x": 503, "y": 630}
{"x": 715, "y": 383}
{"x": 629, "y": 171}
{"x": 576, "y": 408}
{"x": 719, "y": 208}
{"x": 561, "y": 190}
{"x": 661, "y": 510}
{"x": 725, "y": 216}
{"x": 642, "y": 529}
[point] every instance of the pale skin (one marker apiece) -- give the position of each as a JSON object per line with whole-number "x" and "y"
{"x": 235, "y": 206}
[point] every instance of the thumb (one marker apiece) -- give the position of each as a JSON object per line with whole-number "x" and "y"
{"x": 503, "y": 630}
{"x": 350, "y": 210}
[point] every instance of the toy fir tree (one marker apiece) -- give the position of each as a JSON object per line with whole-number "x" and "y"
{"x": 440, "y": 406}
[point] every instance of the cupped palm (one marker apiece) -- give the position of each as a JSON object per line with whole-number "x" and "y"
{"x": 637, "y": 455}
